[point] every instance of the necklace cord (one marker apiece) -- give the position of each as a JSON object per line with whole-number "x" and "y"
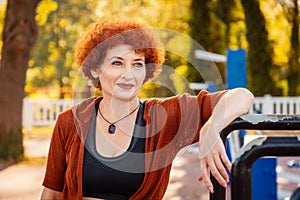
{"x": 119, "y": 119}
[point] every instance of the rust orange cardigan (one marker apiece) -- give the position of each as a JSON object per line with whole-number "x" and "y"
{"x": 171, "y": 124}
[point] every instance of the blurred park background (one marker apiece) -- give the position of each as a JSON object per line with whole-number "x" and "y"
{"x": 38, "y": 40}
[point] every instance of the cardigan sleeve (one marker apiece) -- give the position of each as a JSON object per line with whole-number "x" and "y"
{"x": 177, "y": 121}
{"x": 206, "y": 105}
{"x": 194, "y": 111}
{"x": 56, "y": 163}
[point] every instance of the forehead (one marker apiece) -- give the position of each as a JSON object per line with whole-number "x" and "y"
{"x": 123, "y": 51}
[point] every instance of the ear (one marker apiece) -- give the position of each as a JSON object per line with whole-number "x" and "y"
{"x": 95, "y": 73}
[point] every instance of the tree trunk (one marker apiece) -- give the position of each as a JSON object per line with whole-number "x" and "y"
{"x": 19, "y": 35}
{"x": 260, "y": 51}
{"x": 294, "y": 62}
{"x": 208, "y": 33}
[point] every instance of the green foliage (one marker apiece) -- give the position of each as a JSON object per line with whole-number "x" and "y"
{"x": 43, "y": 10}
{"x": 11, "y": 147}
{"x": 260, "y": 51}
{"x": 216, "y": 25}
{"x": 156, "y": 13}
{"x": 278, "y": 35}
{"x": 224, "y": 11}
{"x": 200, "y": 22}
{"x": 208, "y": 29}
{"x": 2, "y": 18}
{"x": 294, "y": 53}
{"x": 61, "y": 23}
{"x": 181, "y": 78}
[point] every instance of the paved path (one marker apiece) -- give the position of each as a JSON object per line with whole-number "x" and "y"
{"x": 23, "y": 181}
{"x": 37, "y": 147}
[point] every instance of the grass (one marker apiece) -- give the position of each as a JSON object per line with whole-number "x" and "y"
{"x": 4, "y": 164}
{"x": 35, "y": 132}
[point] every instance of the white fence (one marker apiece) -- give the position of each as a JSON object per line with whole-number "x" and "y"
{"x": 44, "y": 113}
{"x": 276, "y": 105}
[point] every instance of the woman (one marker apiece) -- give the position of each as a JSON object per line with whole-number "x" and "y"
{"x": 117, "y": 147}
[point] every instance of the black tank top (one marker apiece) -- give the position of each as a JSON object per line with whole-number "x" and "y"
{"x": 118, "y": 177}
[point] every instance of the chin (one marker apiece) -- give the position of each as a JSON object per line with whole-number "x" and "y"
{"x": 126, "y": 97}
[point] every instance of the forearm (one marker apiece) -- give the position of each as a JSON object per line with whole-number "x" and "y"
{"x": 48, "y": 194}
{"x": 232, "y": 104}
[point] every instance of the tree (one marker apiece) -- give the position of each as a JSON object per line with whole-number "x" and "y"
{"x": 19, "y": 34}
{"x": 293, "y": 76}
{"x": 294, "y": 61}
{"x": 207, "y": 29}
{"x": 162, "y": 14}
{"x": 58, "y": 36}
{"x": 260, "y": 51}
{"x": 65, "y": 24}
{"x": 224, "y": 11}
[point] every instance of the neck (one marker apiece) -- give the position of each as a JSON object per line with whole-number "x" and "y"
{"x": 116, "y": 108}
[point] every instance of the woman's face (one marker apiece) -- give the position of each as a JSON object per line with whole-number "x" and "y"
{"x": 122, "y": 73}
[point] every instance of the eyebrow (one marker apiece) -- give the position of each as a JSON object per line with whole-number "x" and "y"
{"x": 118, "y": 57}
{"x": 139, "y": 59}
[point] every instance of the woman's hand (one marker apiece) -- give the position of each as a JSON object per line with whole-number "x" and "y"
{"x": 212, "y": 154}
{"x": 215, "y": 162}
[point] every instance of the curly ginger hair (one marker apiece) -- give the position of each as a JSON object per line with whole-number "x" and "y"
{"x": 104, "y": 35}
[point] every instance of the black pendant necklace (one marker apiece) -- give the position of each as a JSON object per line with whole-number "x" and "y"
{"x": 112, "y": 127}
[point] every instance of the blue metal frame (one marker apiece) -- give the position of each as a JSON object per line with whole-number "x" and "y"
{"x": 257, "y": 122}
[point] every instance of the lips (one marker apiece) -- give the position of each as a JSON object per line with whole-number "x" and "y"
{"x": 125, "y": 86}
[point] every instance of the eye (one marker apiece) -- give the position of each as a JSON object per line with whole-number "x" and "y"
{"x": 139, "y": 64}
{"x": 117, "y": 63}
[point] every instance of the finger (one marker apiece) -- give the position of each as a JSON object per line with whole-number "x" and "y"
{"x": 226, "y": 161}
{"x": 215, "y": 172}
{"x": 223, "y": 155}
{"x": 222, "y": 170}
{"x": 204, "y": 171}
{"x": 205, "y": 174}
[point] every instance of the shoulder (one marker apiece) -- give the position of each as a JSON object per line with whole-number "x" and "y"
{"x": 69, "y": 114}
{"x": 75, "y": 118}
{"x": 181, "y": 99}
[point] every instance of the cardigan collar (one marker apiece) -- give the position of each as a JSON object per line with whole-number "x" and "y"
{"x": 82, "y": 114}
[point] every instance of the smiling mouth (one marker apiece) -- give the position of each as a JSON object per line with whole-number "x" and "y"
{"x": 125, "y": 86}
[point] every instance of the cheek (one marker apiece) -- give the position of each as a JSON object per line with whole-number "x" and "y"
{"x": 108, "y": 78}
{"x": 112, "y": 74}
{"x": 142, "y": 76}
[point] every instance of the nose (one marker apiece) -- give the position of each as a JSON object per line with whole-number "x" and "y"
{"x": 127, "y": 72}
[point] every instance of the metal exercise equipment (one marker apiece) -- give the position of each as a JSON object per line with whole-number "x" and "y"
{"x": 241, "y": 185}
